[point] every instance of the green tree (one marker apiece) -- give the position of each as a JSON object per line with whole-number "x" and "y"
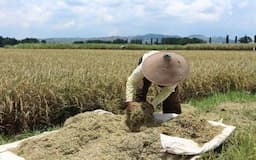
{"x": 227, "y": 39}
{"x": 30, "y": 40}
{"x": 97, "y": 41}
{"x": 78, "y": 42}
{"x": 120, "y": 41}
{"x": 181, "y": 41}
{"x": 245, "y": 39}
{"x": 1, "y": 41}
{"x": 156, "y": 42}
{"x": 136, "y": 41}
{"x": 7, "y": 41}
{"x": 210, "y": 40}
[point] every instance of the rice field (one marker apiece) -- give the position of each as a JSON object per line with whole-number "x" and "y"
{"x": 42, "y": 87}
{"x": 201, "y": 46}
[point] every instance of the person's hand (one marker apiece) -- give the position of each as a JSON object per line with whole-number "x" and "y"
{"x": 130, "y": 106}
{"x": 138, "y": 114}
{"x": 133, "y": 121}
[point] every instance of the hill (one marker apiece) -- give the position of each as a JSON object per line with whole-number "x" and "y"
{"x": 144, "y": 38}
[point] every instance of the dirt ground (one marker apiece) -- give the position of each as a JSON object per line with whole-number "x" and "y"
{"x": 93, "y": 136}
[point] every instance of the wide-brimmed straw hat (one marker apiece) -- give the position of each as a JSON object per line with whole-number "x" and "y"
{"x": 165, "y": 69}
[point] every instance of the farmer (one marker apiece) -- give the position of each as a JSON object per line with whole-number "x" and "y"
{"x": 164, "y": 69}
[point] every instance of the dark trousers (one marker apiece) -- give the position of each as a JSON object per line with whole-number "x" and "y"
{"x": 170, "y": 105}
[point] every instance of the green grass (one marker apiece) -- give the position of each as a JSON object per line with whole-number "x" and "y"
{"x": 217, "y": 98}
{"x": 241, "y": 146}
{"x": 238, "y": 109}
{"x": 26, "y": 134}
{"x": 8, "y": 139}
{"x": 203, "y": 46}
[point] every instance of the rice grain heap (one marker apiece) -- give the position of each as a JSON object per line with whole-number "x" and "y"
{"x": 91, "y": 135}
{"x": 190, "y": 127}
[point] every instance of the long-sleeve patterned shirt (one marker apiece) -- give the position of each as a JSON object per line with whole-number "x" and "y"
{"x": 136, "y": 80}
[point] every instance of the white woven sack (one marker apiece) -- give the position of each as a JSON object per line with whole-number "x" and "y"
{"x": 182, "y": 146}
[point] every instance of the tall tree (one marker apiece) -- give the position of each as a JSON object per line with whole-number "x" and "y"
{"x": 136, "y": 41}
{"x": 236, "y": 39}
{"x": 156, "y": 42}
{"x": 1, "y": 41}
{"x": 227, "y": 39}
{"x": 210, "y": 40}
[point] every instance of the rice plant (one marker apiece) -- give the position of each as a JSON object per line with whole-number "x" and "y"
{"x": 42, "y": 87}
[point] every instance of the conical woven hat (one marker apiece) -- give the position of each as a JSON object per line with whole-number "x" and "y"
{"x": 165, "y": 69}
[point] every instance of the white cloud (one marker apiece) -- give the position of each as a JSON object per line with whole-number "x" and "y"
{"x": 139, "y": 10}
{"x": 198, "y": 10}
{"x": 25, "y": 15}
{"x": 65, "y": 25}
{"x": 84, "y": 10}
{"x": 102, "y": 14}
{"x": 243, "y": 4}
{"x": 118, "y": 17}
{"x": 113, "y": 32}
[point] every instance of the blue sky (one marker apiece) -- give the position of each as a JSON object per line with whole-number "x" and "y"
{"x": 94, "y": 18}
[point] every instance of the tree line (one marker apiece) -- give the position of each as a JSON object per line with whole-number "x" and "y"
{"x": 12, "y": 41}
{"x": 243, "y": 39}
{"x": 168, "y": 40}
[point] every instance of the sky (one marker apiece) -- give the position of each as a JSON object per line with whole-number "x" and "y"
{"x": 97, "y": 18}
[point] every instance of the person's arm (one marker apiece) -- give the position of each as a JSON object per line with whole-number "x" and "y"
{"x": 164, "y": 93}
{"x": 132, "y": 83}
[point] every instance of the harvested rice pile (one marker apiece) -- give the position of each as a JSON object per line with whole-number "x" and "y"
{"x": 190, "y": 127}
{"x": 93, "y": 136}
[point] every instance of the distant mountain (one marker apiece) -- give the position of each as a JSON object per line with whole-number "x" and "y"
{"x": 144, "y": 38}
{"x": 199, "y": 36}
{"x": 215, "y": 39}
{"x": 109, "y": 38}
{"x": 147, "y": 37}
{"x": 151, "y": 35}
{"x": 64, "y": 40}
